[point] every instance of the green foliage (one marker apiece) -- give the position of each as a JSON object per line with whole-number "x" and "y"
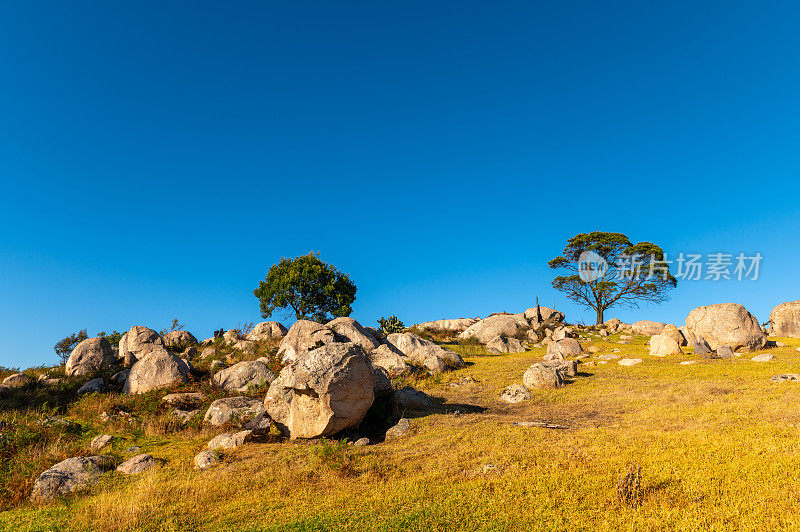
{"x": 309, "y": 287}
{"x": 614, "y": 287}
{"x": 113, "y": 337}
{"x": 336, "y": 456}
{"x": 390, "y": 325}
{"x": 65, "y": 346}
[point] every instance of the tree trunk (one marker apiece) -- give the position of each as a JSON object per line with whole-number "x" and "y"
{"x": 599, "y": 316}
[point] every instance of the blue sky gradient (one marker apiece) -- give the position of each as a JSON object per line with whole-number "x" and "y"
{"x": 158, "y": 157}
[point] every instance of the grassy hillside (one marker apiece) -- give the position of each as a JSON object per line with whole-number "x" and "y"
{"x": 716, "y": 441}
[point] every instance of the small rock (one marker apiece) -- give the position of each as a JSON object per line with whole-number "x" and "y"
{"x": 230, "y": 440}
{"x": 137, "y": 464}
{"x": 780, "y": 344}
{"x": 206, "y": 459}
{"x": 402, "y": 428}
{"x": 185, "y": 401}
{"x": 516, "y": 393}
{"x": 629, "y": 361}
{"x": 788, "y": 377}
{"x": 766, "y": 357}
{"x": 93, "y": 386}
{"x": 361, "y": 442}
{"x": 724, "y": 351}
{"x": 99, "y": 442}
{"x": 68, "y": 476}
{"x": 133, "y": 449}
{"x": 687, "y": 362}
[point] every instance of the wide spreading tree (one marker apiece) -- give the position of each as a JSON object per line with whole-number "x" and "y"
{"x": 631, "y": 274}
{"x": 309, "y": 287}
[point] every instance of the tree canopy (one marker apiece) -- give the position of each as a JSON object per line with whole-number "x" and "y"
{"x": 310, "y": 288}
{"x": 634, "y": 273}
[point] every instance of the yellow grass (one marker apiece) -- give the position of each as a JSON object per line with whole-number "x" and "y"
{"x": 717, "y": 442}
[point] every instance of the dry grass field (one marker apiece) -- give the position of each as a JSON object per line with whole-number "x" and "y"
{"x": 718, "y": 446}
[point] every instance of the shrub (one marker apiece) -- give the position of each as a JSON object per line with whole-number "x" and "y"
{"x": 390, "y": 325}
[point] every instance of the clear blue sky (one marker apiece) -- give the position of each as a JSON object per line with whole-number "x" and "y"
{"x": 158, "y": 157}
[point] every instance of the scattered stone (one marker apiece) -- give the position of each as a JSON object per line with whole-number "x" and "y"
{"x": 625, "y": 337}
{"x": 508, "y": 325}
{"x": 785, "y": 320}
{"x": 662, "y": 345}
{"x": 230, "y": 440}
{"x": 243, "y": 376}
{"x": 136, "y": 343}
{"x": 402, "y": 428}
{"x": 673, "y": 332}
{"x": 188, "y": 400}
{"x": 89, "y": 357}
{"x": 702, "y": 348}
{"x": 267, "y": 330}
{"x": 68, "y": 476}
{"x": 727, "y": 324}
{"x": 616, "y": 350}
{"x": 390, "y": 360}
{"x": 687, "y": 362}
{"x": 516, "y": 393}
{"x": 185, "y": 415}
{"x": 420, "y": 352}
{"x": 361, "y": 442}
{"x": 242, "y": 412}
{"x": 133, "y": 449}
{"x": 594, "y": 349}
{"x": 788, "y": 377}
{"x": 629, "y": 361}
{"x": 609, "y": 356}
{"x": 766, "y": 357}
{"x": 119, "y": 378}
{"x": 137, "y": 464}
{"x": 178, "y": 341}
{"x": 16, "y": 381}
{"x": 648, "y": 328}
{"x": 408, "y": 399}
{"x": 326, "y": 391}
{"x": 302, "y": 337}
{"x": 568, "y": 368}
{"x": 724, "y": 351}
{"x": 100, "y": 441}
{"x": 93, "y": 386}
{"x": 543, "y": 377}
{"x": 501, "y": 344}
{"x": 352, "y": 331}
{"x": 206, "y": 459}
{"x": 157, "y": 369}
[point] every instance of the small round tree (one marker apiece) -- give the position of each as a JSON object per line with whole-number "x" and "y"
{"x": 308, "y": 287}
{"x": 628, "y": 273}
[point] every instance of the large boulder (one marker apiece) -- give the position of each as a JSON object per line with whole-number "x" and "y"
{"x": 566, "y": 347}
{"x": 178, "y": 341}
{"x": 727, "y": 324}
{"x": 303, "y": 337}
{"x": 785, "y": 320}
{"x": 509, "y": 325}
{"x": 663, "y": 344}
{"x": 390, "y": 360}
{"x": 241, "y": 412}
{"x": 351, "y": 331}
{"x": 267, "y": 330}
{"x": 674, "y": 333}
{"x": 157, "y": 369}
{"x": 648, "y": 328}
{"x": 137, "y": 342}
{"x": 326, "y": 391}
{"x": 91, "y": 356}
{"x": 453, "y": 325}
{"x": 68, "y": 476}
{"x": 420, "y": 352}
{"x": 239, "y": 377}
{"x": 501, "y": 344}
{"x": 553, "y": 316}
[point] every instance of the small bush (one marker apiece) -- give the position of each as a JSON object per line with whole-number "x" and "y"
{"x": 336, "y": 456}
{"x": 390, "y": 325}
{"x": 629, "y": 487}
